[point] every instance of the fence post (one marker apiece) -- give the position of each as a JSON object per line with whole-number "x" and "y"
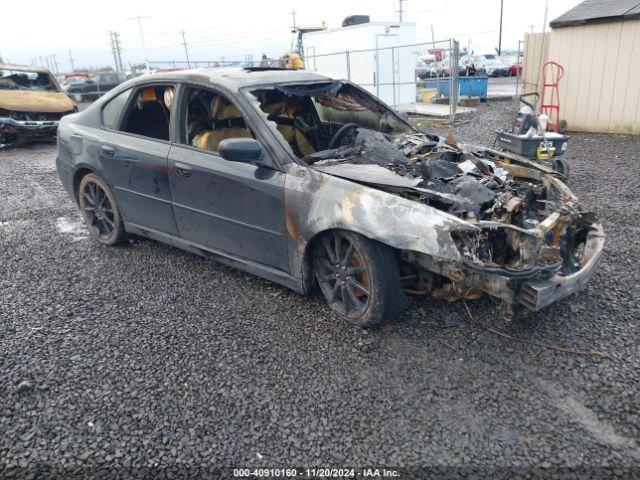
{"x": 393, "y": 75}
{"x": 518, "y": 72}
{"x": 453, "y": 79}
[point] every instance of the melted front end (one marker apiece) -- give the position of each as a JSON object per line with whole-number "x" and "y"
{"x": 532, "y": 246}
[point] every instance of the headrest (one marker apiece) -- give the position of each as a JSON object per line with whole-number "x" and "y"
{"x": 149, "y": 94}
{"x": 227, "y": 112}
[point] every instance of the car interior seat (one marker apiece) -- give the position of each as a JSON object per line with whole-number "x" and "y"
{"x": 227, "y": 122}
{"x": 150, "y": 117}
{"x": 284, "y": 113}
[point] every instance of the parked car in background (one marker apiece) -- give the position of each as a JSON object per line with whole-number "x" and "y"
{"x": 94, "y": 87}
{"x": 474, "y": 65}
{"x": 515, "y": 65}
{"x": 31, "y": 104}
{"x": 72, "y": 79}
{"x": 314, "y": 183}
{"x": 495, "y": 67}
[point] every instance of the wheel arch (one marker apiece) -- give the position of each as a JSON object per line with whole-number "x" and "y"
{"x": 309, "y": 281}
{"x": 80, "y": 172}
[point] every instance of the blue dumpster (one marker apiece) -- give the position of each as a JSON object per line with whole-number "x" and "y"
{"x": 469, "y": 86}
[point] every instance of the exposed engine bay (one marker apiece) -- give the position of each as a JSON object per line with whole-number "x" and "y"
{"x": 528, "y": 224}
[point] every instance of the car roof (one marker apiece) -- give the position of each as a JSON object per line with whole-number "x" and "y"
{"x": 24, "y": 68}
{"x": 236, "y": 78}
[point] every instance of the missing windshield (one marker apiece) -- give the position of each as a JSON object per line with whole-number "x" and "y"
{"x": 25, "y": 80}
{"x": 323, "y": 116}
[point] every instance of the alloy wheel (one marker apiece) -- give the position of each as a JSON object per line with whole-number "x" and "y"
{"x": 342, "y": 275}
{"x": 98, "y": 211}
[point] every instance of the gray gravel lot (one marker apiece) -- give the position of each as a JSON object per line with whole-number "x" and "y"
{"x": 145, "y": 356}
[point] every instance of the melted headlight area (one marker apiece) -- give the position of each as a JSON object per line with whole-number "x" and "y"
{"x": 500, "y": 260}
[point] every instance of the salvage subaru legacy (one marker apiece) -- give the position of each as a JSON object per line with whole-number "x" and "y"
{"x": 313, "y": 182}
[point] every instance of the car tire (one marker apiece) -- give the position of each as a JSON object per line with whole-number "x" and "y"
{"x": 359, "y": 278}
{"x": 561, "y": 166}
{"x": 100, "y": 211}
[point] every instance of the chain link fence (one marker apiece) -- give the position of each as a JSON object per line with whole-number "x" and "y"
{"x": 388, "y": 71}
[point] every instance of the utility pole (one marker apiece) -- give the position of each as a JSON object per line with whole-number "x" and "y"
{"x": 186, "y": 52}
{"x": 73, "y": 67}
{"x": 400, "y": 9}
{"x": 433, "y": 38}
{"x": 48, "y": 63}
{"x": 531, "y": 27}
{"x": 144, "y": 47}
{"x": 293, "y": 15}
{"x": 54, "y": 63}
{"x": 116, "y": 42}
{"x": 41, "y": 62}
{"x": 500, "y": 36}
{"x": 113, "y": 49}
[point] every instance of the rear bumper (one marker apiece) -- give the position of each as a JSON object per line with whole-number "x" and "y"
{"x": 535, "y": 295}
{"x": 18, "y": 131}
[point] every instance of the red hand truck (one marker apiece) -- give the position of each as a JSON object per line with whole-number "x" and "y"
{"x": 552, "y": 73}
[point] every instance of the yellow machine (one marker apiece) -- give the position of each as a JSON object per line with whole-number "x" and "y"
{"x": 292, "y": 61}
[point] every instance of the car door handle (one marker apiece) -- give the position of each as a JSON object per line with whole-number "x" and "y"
{"x": 108, "y": 151}
{"x": 183, "y": 170}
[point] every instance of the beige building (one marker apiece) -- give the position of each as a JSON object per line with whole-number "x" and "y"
{"x": 598, "y": 44}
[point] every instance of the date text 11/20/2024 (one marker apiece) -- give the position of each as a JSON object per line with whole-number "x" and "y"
{"x": 316, "y": 472}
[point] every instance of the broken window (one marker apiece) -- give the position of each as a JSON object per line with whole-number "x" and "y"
{"x": 149, "y": 114}
{"x": 308, "y": 116}
{"x": 26, "y": 80}
{"x": 211, "y": 118}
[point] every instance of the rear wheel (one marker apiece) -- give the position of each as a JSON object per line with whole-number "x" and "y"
{"x": 359, "y": 278}
{"x": 100, "y": 211}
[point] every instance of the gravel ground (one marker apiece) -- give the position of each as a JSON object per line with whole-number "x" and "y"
{"x": 145, "y": 357}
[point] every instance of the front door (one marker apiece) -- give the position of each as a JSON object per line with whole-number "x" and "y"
{"x": 229, "y": 207}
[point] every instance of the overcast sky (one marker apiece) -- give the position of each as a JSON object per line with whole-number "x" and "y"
{"x": 232, "y": 29}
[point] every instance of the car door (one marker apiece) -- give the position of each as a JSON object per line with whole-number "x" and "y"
{"x": 229, "y": 207}
{"x": 134, "y": 158}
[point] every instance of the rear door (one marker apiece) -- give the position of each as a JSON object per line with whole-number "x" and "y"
{"x": 229, "y": 207}
{"x": 133, "y": 153}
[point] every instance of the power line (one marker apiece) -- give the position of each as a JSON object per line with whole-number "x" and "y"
{"x": 186, "y": 52}
{"x": 73, "y": 68}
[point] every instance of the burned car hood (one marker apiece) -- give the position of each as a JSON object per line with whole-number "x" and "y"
{"x": 510, "y": 200}
{"x": 35, "y": 101}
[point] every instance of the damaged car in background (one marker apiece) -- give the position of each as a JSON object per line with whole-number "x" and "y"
{"x": 31, "y": 104}
{"x": 313, "y": 182}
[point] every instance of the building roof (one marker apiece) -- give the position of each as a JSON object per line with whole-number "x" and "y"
{"x": 594, "y": 11}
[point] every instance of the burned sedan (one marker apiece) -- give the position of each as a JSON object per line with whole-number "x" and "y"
{"x": 313, "y": 182}
{"x": 31, "y": 104}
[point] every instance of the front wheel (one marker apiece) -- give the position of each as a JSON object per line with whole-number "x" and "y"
{"x": 561, "y": 166}
{"x": 100, "y": 211}
{"x": 359, "y": 278}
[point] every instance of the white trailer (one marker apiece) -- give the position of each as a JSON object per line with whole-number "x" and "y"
{"x": 378, "y": 56}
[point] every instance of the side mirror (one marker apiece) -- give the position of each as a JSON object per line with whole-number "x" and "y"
{"x": 245, "y": 150}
